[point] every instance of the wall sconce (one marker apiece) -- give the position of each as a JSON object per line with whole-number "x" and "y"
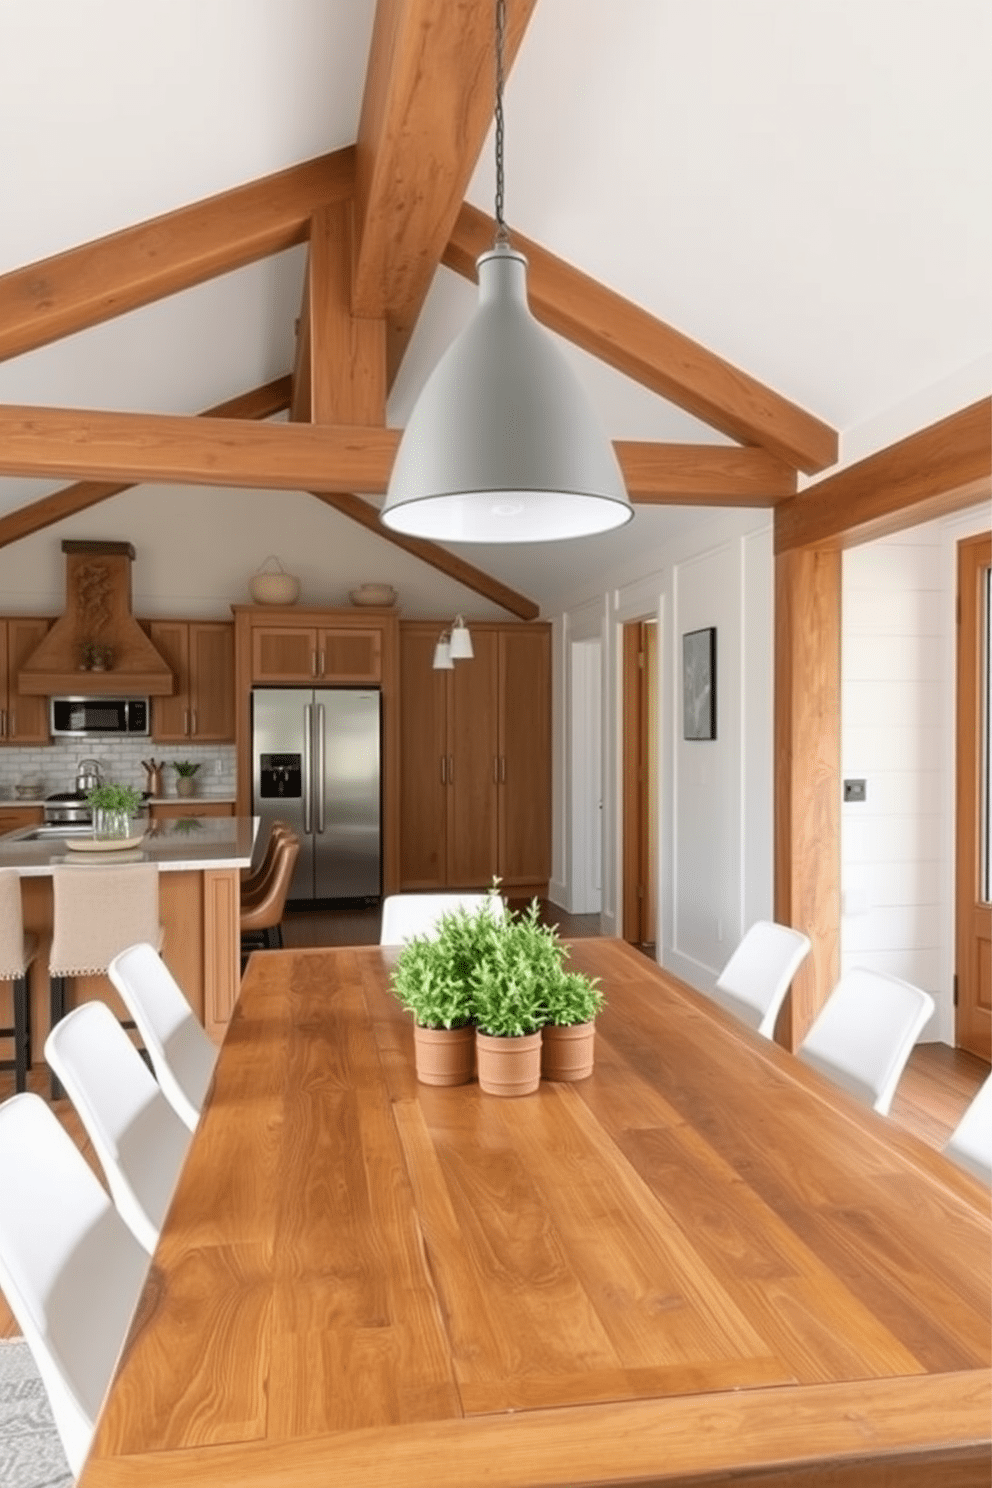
{"x": 442, "y": 653}
{"x": 461, "y": 641}
{"x": 453, "y": 645}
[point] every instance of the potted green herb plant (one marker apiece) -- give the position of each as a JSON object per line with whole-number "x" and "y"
{"x": 185, "y": 772}
{"x": 572, "y": 1001}
{"x": 509, "y": 981}
{"x": 432, "y": 980}
{"x": 113, "y": 807}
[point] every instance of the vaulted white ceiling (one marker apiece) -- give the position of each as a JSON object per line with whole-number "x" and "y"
{"x": 804, "y": 186}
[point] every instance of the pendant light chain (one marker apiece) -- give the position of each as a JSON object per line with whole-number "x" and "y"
{"x": 502, "y": 234}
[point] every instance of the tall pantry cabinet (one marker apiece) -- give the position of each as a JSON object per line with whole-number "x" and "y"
{"x": 475, "y": 760}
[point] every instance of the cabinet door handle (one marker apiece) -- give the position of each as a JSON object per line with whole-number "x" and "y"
{"x": 313, "y": 664}
{"x": 502, "y": 769}
{"x": 444, "y": 770}
{"x": 186, "y": 721}
{"x": 321, "y": 660}
{"x": 192, "y": 715}
{"x": 451, "y": 769}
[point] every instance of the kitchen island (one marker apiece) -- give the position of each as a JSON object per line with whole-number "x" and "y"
{"x": 200, "y": 861}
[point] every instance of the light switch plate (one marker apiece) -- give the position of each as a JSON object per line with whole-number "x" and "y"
{"x": 855, "y": 790}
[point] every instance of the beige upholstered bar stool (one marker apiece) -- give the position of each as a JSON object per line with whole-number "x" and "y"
{"x": 17, "y": 950}
{"x": 98, "y": 911}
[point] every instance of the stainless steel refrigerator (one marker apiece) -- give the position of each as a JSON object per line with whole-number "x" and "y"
{"x": 316, "y": 756}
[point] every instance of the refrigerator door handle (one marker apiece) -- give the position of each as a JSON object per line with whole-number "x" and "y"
{"x": 307, "y": 771}
{"x": 319, "y": 781}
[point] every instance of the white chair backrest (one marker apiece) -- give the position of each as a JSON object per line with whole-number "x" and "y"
{"x": 70, "y": 1269}
{"x": 139, "y": 1139}
{"x": 755, "y": 980}
{"x": 970, "y": 1144}
{"x": 865, "y": 1032}
{"x": 407, "y": 915}
{"x": 182, "y": 1055}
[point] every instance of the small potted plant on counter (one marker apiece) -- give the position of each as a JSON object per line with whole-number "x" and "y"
{"x": 113, "y": 807}
{"x": 185, "y": 776}
{"x": 431, "y": 979}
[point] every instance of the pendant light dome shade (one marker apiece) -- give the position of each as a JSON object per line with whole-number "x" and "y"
{"x": 503, "y": 445}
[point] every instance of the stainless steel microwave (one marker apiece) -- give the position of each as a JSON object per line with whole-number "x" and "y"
{"x": 97, "y": 717}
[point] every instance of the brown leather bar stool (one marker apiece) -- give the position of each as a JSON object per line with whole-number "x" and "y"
{"x": 261, "y": 912}
{"x": 98, "y": 911}
{"x": 253, "y": 879}
{"x": 17, "y": 950}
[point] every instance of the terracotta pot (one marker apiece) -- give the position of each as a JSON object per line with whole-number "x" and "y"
{"x": 567, "y": 1051}
{"x": 508, "y": 1066}
{"x": 444, "y": 1056}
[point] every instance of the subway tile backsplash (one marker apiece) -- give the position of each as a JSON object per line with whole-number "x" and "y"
{"x": 53, "y": 766}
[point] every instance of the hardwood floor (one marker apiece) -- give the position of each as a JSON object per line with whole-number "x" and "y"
{"x": 934, "y": 1091}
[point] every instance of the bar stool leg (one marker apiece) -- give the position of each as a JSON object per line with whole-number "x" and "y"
{"x": 22, "y": 1033}
{"x": 56, "y": 1000}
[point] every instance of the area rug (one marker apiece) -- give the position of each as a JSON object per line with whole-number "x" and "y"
{"x": 31, "y": 1454}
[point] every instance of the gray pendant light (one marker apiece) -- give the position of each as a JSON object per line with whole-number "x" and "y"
{"x": 503, "y": 445}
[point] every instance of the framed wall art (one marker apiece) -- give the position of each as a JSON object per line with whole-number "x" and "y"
{"x": 699, "y": 684}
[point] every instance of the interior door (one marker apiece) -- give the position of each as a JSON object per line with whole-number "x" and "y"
{"x": 973, "y": 877}
{"x": 473, "y": 766}
{"x": 524, "y": 768}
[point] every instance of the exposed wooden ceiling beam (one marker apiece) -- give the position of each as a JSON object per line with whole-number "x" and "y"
{"x": 703, "y": 474}
{"x": 426, "y": 111}
{"x": 651, "y": 352}
{"x": 58, "y": 296}
{"x": 447, "y": 563}
{"x": 944, "y": 468}
{"x": 184, "y": 450}
{"x": 342, "y": 458}
{"x": 260, "y": 403}
{"x": 347, "y": 352}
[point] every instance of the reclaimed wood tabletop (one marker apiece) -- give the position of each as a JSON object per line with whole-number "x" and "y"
{"x": 702, "y": 1264}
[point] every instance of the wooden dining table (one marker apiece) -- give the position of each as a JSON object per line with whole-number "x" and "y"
{"x": 703, "y": 1264}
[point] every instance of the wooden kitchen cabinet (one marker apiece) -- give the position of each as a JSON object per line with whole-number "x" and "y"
{"x": 475, "y": 761}
{"x": 201, "y": 655}
{"x": 23, "y": 720}
{"x": 310, "y": 653}
{"x": 13, "y": 818}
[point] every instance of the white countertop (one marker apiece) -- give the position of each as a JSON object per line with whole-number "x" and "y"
{"x": 228, "y": 800}
{"x": 175, "y": 845}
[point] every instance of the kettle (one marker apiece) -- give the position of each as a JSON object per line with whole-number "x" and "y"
{"x": 88, "y": 775}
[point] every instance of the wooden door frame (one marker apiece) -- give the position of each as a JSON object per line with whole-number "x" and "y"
{"x": 942, "y": 469}
{"x": 638, "y": 831}
{"x": 973, "y": 554}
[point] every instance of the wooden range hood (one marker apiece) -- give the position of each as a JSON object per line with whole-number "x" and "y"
{"x": 97, "y": 613}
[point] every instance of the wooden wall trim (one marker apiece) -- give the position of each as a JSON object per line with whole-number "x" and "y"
{"x": 807, "y": 773}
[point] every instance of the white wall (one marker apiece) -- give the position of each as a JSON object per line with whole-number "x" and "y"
{"x": 715, "y": 797}
{"x": 196, "y": 549}
{"x": 898, "y": 733}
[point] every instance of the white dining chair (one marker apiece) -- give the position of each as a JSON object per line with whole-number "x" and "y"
{"x": 970, "y": 1143}
{"x": 407, "y": 915}
{"x": 754, "y": 982}
{"x": 70, "y": 1268}
{"x": 182, "y": 1055}
{"x": 865, "y": 1032}
{"x": 139, "y": 1139}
